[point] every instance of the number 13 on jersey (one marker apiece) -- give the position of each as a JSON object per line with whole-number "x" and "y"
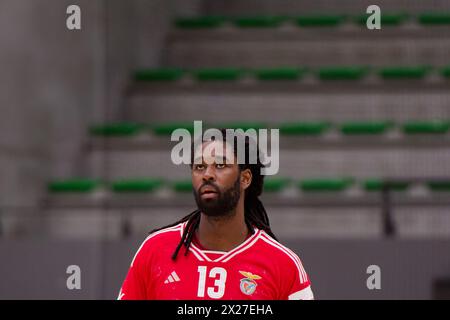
{"x": 218, "y": 290}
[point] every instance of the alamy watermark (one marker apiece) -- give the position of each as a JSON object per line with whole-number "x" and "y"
{"x": 213, "y": 153}
{"x": 73, "y": 21}
{"x": 74, "y": 280}
{"x": 374, "y": 280}
{"x": 374, "y": 20}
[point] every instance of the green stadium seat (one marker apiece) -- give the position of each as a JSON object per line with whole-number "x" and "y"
{"x": 435, "y": 18}
{"x": 259, "y": 21}
{"x": 319, "y": 20}
{"x": 280, "y": 74}
{"x": 356, "y": 128}
{"x": 116, "y": 129}
{"x": 445, "y": 71}
{"x": 324, "y": 185}
{"x": 404, "y": 72}
{"x": 342, "y": 73}
{"x": 390, "y": 19}
{"x": 241, "y": 125}
{"x": 304, "y": 128}
{"x": 136, "y": 185}
{"x": 426, "y": 127}
{"x": 441, "y": 186}
{"x": 162, "y": 74}
{"x": 77, "y": 185}
{"x": 182, "y": 186}
{"x": 220, "y": 74}
{"x": 199, "y": 22}
{"x": 378, "y": 184}
{"x": 275, "y": 184}
{"x": 168, "y": 128}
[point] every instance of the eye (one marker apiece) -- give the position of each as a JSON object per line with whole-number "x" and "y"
{"x": 220, "y": 165}
{"x": 199, "y": 167}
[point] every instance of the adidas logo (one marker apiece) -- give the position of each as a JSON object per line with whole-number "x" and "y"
{"x": 172, "y": 278}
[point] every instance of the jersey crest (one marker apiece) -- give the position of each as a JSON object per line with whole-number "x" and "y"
{"x": 248, "y": 284}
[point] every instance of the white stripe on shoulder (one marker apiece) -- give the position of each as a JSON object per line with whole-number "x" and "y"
{"x": 174, "y": 228}
{"x": 120, "y": 296}
{"x": 291, "y": 256}
{"x": 292, "y": 253}
{"x": 304, "y": 294}
{"x": 182, "y": 226}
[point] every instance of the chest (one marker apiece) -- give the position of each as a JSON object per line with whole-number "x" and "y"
{"x": 189, "y": 279}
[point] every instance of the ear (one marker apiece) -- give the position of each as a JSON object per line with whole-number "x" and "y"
{"x": 246, "y": 178}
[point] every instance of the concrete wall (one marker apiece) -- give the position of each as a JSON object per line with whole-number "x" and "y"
{"x": 55, "y": 82}
{"x": 37, "y": 269}
{"x": 51, "y": 80}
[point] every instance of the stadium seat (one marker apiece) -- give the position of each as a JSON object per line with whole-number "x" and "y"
{"x": 182, "y": 186}
{"x": 324, "y": 185}
{"x": 377, "y": 185}
{"x": 73, "y": 186}
{"x": 259, "y": 21}
{"x": 426, "y": 127}
{"x": 241, "y": 125}
{"x": 356, "y": 128}
{"x": 304, "y": 128}
{"x": 402, "y": 72}
{"x": 168, "y": 128}
{"x": 434, "y": 18}
{"x": 117, "y": 129}
{"x": 319, "y": 20}
{"x": 275, "y": 184}
{"x": 199, "y": 22}
{"x": 390, "y": 19}
{"x": 163, "y": 74}
{"x": 136, "y": 185}
{"x": 280, "y": 74}
{"x": 220, "y": 74}
{"x": 445, "y": 72}
{"x": 342, "y": 73}
{"x": 441, "y": 186}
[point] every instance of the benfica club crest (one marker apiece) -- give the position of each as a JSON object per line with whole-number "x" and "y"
{"x": 248, "y": 284}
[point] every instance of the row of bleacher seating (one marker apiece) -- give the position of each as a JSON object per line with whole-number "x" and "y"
{"x": 292, "y": 73}
{"x": 148, "y": 185}
{"x": 129, "y": 129}
{"x": 311, "y": 20}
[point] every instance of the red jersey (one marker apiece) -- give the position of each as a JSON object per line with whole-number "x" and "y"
{"x": 260, "y": 268}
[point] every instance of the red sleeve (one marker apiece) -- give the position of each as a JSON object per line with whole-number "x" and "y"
{"x": 134, "y": 286}
{"x": 296, "y": 284}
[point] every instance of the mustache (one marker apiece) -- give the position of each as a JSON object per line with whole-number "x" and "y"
{"x": 211, "y": 184}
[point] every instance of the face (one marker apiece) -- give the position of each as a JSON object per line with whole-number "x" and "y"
{"x": 217, "y": 180}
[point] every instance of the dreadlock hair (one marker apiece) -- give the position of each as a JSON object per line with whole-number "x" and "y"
{"x": 254, "y": 211}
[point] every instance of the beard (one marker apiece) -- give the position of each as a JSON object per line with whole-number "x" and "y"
{"x": 225, "y": 202}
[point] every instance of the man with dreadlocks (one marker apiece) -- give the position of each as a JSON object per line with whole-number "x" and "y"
{"x": 229, "y": 251}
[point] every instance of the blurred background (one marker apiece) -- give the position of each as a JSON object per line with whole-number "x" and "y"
{"x": 86, "y": 117}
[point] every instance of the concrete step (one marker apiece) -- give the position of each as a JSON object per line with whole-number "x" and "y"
{"x": 297, "y": 164}
{"x": 354, "y": 222}
{"x": 334, "y": 102}
{"x": 289, "y": 7}
{"x": 288, "y": 45}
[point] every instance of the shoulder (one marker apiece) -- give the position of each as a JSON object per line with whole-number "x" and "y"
{"x": 159, "y": 239}
{"x": 286, "y": 259}
{"x": 278, "y": 249}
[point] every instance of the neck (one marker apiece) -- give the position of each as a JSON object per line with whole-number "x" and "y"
{"x": 223, "y": 233}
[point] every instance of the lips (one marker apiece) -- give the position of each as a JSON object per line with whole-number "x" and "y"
{"x": 207, "y": 190}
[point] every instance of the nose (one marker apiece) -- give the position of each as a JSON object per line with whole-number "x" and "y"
{"x": 209, "y": 174}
